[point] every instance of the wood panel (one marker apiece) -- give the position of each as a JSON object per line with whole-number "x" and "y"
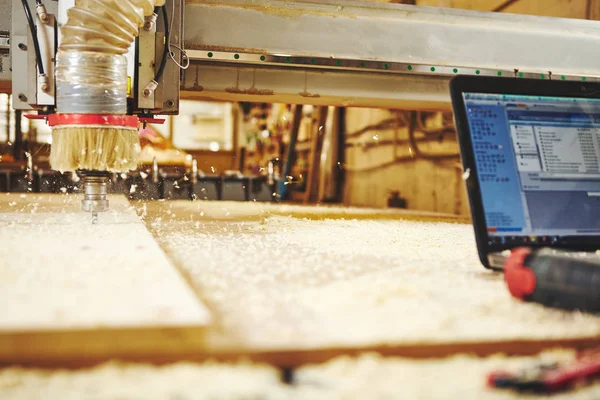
{"x": 67, "y": 285}
{"x": 290, "y": 285}
{"x": 285, "y": 285}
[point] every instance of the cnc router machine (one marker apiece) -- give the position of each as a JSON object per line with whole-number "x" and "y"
{"x": 307, "y": 52}
{"x": 119, "y": 295}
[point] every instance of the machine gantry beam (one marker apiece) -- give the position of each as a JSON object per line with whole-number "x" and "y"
{"x": 350, "y": 43}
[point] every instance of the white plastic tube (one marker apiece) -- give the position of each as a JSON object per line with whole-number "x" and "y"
{"x": 91, "y": 71}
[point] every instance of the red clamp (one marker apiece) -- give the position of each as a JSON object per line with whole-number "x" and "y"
{"x": 549, "y": 378}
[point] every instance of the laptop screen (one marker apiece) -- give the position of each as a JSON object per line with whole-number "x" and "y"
{"x": 538, "y": 165}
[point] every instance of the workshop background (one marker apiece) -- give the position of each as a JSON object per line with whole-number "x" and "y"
{"x": 294, "y": 301}
{"x": 351, "y": 156}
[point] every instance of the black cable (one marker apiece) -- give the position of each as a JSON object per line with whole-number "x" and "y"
{"x": 163, "y": 60}
{"x": 504, "y": 5}
{"x": 36, "y": 43}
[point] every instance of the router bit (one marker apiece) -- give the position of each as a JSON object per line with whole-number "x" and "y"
{"x": 95, "y": 190}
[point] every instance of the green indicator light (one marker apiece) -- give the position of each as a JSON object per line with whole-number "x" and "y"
{"x": 455, "y": 70}
{"x": 409, "y": 67}
{"x": 338, "y": 63}
{"x": 263, "y": 58}
{"x": 362, "y": 64}
{"x": 520, "y": 74}
{"x": 386, "y": 66}
{"x": 236, "y": 56}
{"x": 499, "y": 73}
{"x": 432, "y": 69}
{"x": 563, "y": 78}
{"x": 584, "y": 79}
{"x": 478, "y": 72}
{"x": 313, "y": 61}
{"x": 8, "y": 41}
{"x": 288, "y": 59}
{"x": 542, "y": 76}
{"x": 210, "y": 55}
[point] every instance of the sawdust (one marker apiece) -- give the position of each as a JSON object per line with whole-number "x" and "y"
{"x": 180, "y": 381}
{"x": 371, "y": 376}
{"x": 368, "y": 376}
{"x": 322, "y": 283}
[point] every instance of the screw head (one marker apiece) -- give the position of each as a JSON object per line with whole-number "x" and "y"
{"x": 22, "y": 46}
{"x": 22, "y": 97}
{"x": 170, "y": 103}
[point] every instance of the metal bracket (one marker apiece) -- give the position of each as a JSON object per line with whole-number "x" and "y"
{"x": 46, "y": 34}
{"x": 23, "y": 85}
{"x": 146, "y": 68}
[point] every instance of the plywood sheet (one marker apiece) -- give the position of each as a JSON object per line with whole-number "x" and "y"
{"x": 59, "y": 273}
{"x": 291, "y": 283}
{"x": 284, "y": 284}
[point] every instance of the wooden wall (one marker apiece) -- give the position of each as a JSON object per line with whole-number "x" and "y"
{"x": 376, "y": 166}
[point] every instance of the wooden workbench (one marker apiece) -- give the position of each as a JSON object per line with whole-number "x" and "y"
{"x": 291, "y": 284}
{"x": 288, "y": 285}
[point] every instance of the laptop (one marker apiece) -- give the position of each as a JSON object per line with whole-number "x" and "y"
{"x": 530, "y": 150}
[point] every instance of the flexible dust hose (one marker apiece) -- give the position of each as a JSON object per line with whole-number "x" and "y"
{"x": 91, "y": 79}
{"x": 91, "y": 71}
{"x": 90, "y": 82}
